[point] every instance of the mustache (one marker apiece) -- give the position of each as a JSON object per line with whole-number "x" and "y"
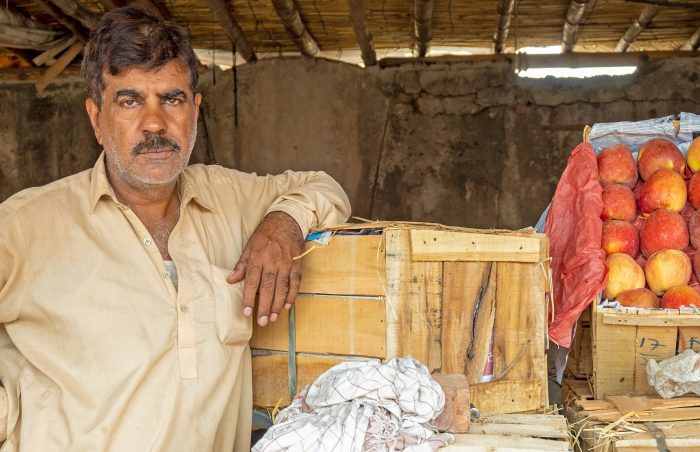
{"x": 155, "y": 142}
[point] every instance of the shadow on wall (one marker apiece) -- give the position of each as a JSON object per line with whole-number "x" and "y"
{"x": 467, "y": 144}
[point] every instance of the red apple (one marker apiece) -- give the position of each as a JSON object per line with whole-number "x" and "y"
{"x": 616, "y": 166}
{"x": 666, "y": 269}
{"x": 665, "y": 189}
{"x": 693, "y": 155}
{"x": 696, "y": 265}
{"x": 618, "y": 203}
{"x": 620, "y": 237}
{"x": 694, "y": 229}
{"x": 659, "y": 154}
{"x": 623, "y": 274}
{"x": 678, "y": 296}
{"x": 639, "y": 298}
{"x": 694, "y": 190}
{"x": 661, "y": 231}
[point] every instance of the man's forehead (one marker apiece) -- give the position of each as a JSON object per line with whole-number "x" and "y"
{"x": 170, "y": 76}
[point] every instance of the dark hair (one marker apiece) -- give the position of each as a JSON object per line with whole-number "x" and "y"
{"x": 131, "y": 37}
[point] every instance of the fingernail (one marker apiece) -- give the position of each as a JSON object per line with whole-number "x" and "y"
{"x": 262, "y": 321}
{"x": 247, "y": 311}
{"x": 287, "y": 306}
{"x": 273, "y": 317}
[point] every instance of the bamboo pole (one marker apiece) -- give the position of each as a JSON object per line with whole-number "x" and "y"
{"x": 642, "y": 22}
{"x": 358, "y": 17}
{"x": 694, "y": 42}
{"x": 505, "y": 10}
{"x": 232, "y": 29}
{"x": 423, "y": 25}
{"x": 288, "y": 13}
{"x": 571, "y": 22}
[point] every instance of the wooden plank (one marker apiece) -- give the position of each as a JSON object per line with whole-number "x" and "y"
{"x": 559, "y": 431}
{"x": 425, "y": 292}
{"x": 544, "y": 420}
{"x": 349, "y": 326}
{"x": 436, "y": 245}
{"x": 651, "y": 343}
{"x": 61, "y": 62}
{"x": 477, "y": 442}
{"x": 270, "y": 377}
{"x": 348, "y": 265}
{"x": 613, "y": 357}
{"x": 398, "y": 274}
{"x": 678, "y": 414}
{"x": 652, "y": 320}
{"x": 654, "y": 403}
{"x": 506, "y": 396}
{"x": 461, "y": 289}
{"x": 480, "y": 345}
{"x": 456, "y": 414}
{"x": 689, "y": 338}
{"x": 519, "y": 325}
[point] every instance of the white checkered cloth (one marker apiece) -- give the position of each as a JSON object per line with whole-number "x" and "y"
{"x": 362, "y": 406}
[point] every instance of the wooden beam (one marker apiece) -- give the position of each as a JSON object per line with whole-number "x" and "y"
{"x": 358, "y": 17}
{"x": 423, "y": 25}
{"x": 571, "y": 22}
{"x": 157, "y": 7}
{"x": 694, "y": 42}
{"x": 642, "y": 22}
{"x": 62, "y": 18}
{"x": 288, "y": 13}
{"x": 232, "y": 29}
{"x": 505, "y": 10}
{"x": 77, "y": 11}
{"x": 60, "y": 64}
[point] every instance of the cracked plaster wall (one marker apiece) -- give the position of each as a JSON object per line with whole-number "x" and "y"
{"x": 467, "y": 144}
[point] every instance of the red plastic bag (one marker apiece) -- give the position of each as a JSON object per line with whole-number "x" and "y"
{"x": 574, "y": 228}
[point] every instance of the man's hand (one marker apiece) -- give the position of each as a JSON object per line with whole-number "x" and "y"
{"x": 267, "y": 264}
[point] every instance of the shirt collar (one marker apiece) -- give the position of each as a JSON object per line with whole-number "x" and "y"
{"x": 101, "y": 188}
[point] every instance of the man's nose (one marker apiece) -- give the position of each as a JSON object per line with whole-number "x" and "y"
{"x": 153, "y": 118}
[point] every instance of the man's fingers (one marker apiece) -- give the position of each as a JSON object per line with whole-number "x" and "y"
{"x": 250, "y": 288}
{"x": 294, "y": 285}
{"x": 239, "y": 270}
{"x": 281, "y": 291}
{"x": 266, "y": 290}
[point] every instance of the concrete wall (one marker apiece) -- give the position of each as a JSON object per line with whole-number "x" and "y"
{"x": 465, "y": 143}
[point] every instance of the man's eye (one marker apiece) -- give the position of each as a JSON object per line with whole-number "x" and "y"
{"x": 173, "y": 101}
{"x": 128, "y": 103}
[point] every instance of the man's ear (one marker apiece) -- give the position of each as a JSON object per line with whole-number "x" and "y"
{"x": 93, "y": 112}
{"x": 197, "y": 103}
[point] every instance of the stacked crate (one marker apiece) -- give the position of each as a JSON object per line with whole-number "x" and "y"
{"x": 439, "y": 294}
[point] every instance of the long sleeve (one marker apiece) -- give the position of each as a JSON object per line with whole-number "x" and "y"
{"x": 312, "y": 198}
{"x": 3, "y": 415}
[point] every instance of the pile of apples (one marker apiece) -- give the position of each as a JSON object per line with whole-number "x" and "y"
{"x": 651, "y": 225}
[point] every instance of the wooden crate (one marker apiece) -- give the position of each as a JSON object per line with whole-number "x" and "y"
{"x": 625, "y": 339}
{"x": 431, "y": 292}
{"x": 580, "y": 361}
{"x": 631, "y": 423}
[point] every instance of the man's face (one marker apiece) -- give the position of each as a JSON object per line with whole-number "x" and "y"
{"x": 147, "y": 125}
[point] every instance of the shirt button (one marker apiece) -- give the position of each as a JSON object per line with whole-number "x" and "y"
{"x": 166, "y": 275}
{"x": 183, "y": 308}
{"x": 147, "y": 241}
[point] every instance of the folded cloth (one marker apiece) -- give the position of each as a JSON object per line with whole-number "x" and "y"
{"x": 362, "y": 406}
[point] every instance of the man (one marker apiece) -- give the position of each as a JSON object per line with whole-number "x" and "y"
{"x": 122, "y": 327}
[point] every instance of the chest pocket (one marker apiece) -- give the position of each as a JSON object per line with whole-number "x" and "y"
{"x": 232, "y": 327}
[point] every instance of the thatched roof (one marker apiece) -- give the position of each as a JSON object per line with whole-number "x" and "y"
{"x": 593, "y": 25}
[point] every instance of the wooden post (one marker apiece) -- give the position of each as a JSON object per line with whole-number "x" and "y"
{"x": 423, "y": 25}
{"x": 505, "y": 10}
{"x": 232, "y": 29}
{"x": 642, "y": 22}
{"x": 296, "y": 30}
{"x": 364, "y": 37}
{"x": 77, "y": 11}
{"x": 573, "y": 18}
{"x": 60, "y": 64}
{"x": 456, "y": 414}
